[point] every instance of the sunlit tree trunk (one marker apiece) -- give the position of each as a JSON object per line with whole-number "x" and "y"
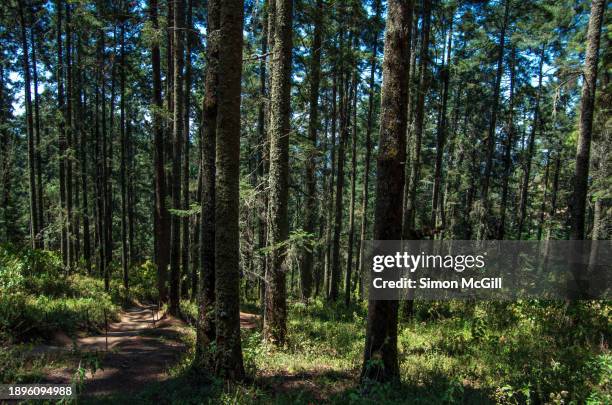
{"x": 275, "y": 327}
{"x": 587, "y": 104}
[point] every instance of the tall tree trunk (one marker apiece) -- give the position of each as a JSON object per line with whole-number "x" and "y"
{"x": 381, "y": 330}
{"x": 107, "y": 136}
{"x": 37, "y": 149}
{"x": 543, "y": 206}
{"x": 262, "y": 154}
{"x": 310, "y": 208}
{"x": 123, "y": 169}
{"x": 530, "y": 150}
{"x": 100, "y": 129}
{"x": 131, "y": 174}
{"x": 441, "y": 132}
{"x": 336, "y": 269}
{"x": 410, "y": 209}
{"x": 34, "y": 228}
{"x": 185, "y": 177}
{"x": 490, "y": 141}
{"x": 227, "y": 272}
{"x": 328, "y": 237}
{"x": 161, "y": 216}
{"x": 368, "y": 152}
{"x": 82, "y": 122}
{"x": 61, "y": 135}
{"x": 205, "y": 329}
{"x": 351, "y": 230}
{"x": 508, "y": 150}
{"x": 275, "y": 327}
{"x": 177, "y": 146}
{"x": 69, "y": 147}
{"x": 587, "y": 103}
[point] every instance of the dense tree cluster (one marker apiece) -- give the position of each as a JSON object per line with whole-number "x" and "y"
{"x": 247, "y": 147}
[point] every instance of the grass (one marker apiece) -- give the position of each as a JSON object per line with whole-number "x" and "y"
{"x": 450, "y": 352}
{"x": 453, "y": 352}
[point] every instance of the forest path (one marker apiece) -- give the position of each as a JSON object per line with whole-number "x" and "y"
{"x": 137, "y": 350}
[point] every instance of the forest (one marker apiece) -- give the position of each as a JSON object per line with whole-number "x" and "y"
{"x": 185, "y": 188}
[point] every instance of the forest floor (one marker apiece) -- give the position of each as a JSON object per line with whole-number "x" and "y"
{"x": 137, "y": 350}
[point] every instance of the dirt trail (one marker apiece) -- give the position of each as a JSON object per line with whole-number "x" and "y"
{"x": 141, "y": 348}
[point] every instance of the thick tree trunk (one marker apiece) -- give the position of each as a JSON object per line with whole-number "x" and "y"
{"x": 227, "y": 272}
{"x": 587, "y": 103}
{"x": 275, "y": 327}
{"x": 310, "y": 208}
{"x": 380, "y": 356}
{"x": 177, "y": 146}
{"x": 205, "y": 329}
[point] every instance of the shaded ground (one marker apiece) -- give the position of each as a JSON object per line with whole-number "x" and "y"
{"x": 138, "y": 350}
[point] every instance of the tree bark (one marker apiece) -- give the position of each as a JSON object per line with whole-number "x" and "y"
{"x": 227, "y": 272}
{"x": 587, "y": 104}
{"x": 441, "y": 131}
{"x": 410, "y": 210}
{"x": 351, "y": 230}
{"x": 177, "y": 146}
{"x": 490, "y": 141}
{"x": 34, "y": 228}
{"x": 69, "y": 147}
{"x": 335, "y": 273}
{"x": 543, "y": 205}
{"x": 122, "y": 175}
{"x": 161, "y": 216}
{"x": 310, "y": 208}
{"x": 328, "y": 237}
{"x": 186, "y": 144}
{"x": 530, "y": 150}
{"x": 275, "y": 327}
{"x": 380, "y": 356}
{"x": 508, "y": 150}
{"x": 205, "y": 328}
{"x": 37, "y": 151}
{"x": 61, "y": 135}
{"x": 368, "y": 153}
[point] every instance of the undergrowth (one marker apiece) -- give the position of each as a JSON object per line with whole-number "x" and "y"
{"x": 524, "y": 352}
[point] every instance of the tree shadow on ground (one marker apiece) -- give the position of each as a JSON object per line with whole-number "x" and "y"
{"x": 308, "y": 387}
